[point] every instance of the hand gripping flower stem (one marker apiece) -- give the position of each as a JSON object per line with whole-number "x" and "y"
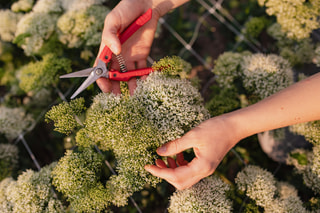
{"x": 101, "y": 69}
{"x": 212, "y": 139}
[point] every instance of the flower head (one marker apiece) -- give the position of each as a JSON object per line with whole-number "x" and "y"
{"x": 13, "y": 121}
{"x": 264, "y": 75}
{"x": 206, "y": 196}
{"x": 8, "y": 24}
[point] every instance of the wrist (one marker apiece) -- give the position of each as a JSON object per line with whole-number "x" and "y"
{"x": 234, "y": 125}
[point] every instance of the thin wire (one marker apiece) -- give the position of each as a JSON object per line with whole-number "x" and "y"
{"x": 213, "y": 11}
{"x": 21, "y": 138}
{"x": 184, "y": 43}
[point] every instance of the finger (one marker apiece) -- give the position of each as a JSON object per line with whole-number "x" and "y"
{"x": 104, "y": 84}
{"x": 174, "y": 147}
{"x": 141, "y": 64}
{"x": 132, "y": 84}
{"x": 180, "y": 160}
{"x": 180, "y": 177}
{"x": 110, "y": 33}
{"x": 115, "y": 87}
{"x": 160, "y": 163}
{"x": 171, "y": 163}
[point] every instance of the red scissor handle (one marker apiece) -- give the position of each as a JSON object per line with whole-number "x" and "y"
{"x": 106, "y": 53}
{"x": 125, "y": 76}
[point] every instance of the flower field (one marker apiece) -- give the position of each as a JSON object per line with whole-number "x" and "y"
{"x": 210, "y": 58}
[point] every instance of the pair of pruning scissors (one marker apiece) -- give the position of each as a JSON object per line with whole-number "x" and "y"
{"x": 102, "y": 70}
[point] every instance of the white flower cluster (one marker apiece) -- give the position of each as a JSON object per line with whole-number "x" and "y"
{"x": 273, "y": 196}
{"x": 297, "y": 18}
{"x": 83, "y": 26}
{"x": 14, "y": 121}
{"x": 48, "y": 6}
{"x": 22, "y": 6}
{"x": 265, "y": 75}
{"x": 258, "y": 184}
{"x": 69, "y": 5}
{"x": 206, "y": 196}
{"x": 34, "y": 29}
{"x": 296, "y": 52}
{"x": 8, "y": 24}
{"x": 32, "y": 192}
{"x": 172, "y": 105}
{"x": 70, "y": 22}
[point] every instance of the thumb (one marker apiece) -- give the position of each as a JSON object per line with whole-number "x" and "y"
{"x": 174, "y": 147}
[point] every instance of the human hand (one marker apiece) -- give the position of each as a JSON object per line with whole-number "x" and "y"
{"x": 136, "y": 49}
{"x": 211, "y": 140}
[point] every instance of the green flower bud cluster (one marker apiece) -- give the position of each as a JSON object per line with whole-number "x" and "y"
{"x": 31, "y": 192}
{"x": 65, "y": 115}
{"x": 254, "y": 26}
{"x": 274, "y": 196}
{"x": 77, "y": 176}
{"x": 131, "y": 127}
{"x": 44, "y": 73}
{"x": 207, "y": 196}
{"x": 173, "y": 65}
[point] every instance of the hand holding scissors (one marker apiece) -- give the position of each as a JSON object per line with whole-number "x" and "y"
{"x": 102, "y": 67}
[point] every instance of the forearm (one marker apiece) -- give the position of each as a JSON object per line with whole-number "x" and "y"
{"x": 295, "y": 104}
{"x": 164, "y": 6}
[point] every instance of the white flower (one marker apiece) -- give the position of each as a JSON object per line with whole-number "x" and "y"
{"x": 47, "y": 6}
{"x": 34, "y": 29}
{"x": 8, "y": 24}
{"x": 206, "y": 196}
{"x": 77, "y": 27}
{"x": 265, "y": 75}
{"x": 79, "y": 4}
{"x": 296, "y": 17}
{"x": 14, "y": 121}
{"x": 22, "y": 6}
{"x": 258, "y": 184}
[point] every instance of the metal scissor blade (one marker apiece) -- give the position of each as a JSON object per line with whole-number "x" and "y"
{"x": 81, "y": 73}
{"x": 90, "y": 80}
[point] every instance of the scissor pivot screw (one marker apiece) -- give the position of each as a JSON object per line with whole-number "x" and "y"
{"x": 99, "y": 71}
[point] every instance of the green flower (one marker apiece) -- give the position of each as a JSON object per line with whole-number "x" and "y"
{"x": 45, "y": 73}
{"x": 65, "y": 115}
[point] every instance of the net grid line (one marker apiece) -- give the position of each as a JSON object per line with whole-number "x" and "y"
{"x": 213, "y": 8}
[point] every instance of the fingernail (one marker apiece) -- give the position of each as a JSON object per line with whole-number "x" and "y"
{"x": 162, "y": 149}
{"x": 114, "y": 49}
